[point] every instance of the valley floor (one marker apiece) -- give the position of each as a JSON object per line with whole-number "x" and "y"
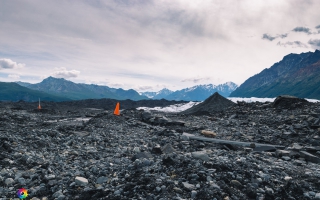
{"x": 88, "y": 153}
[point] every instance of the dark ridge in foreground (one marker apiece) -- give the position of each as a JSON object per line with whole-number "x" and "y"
{"x": 106, "y": 104}
{"x": 214, "y": 103}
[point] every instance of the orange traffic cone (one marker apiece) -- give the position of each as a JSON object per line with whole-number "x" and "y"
{"x": 39, "y": 106}
{"x": 117, "y": 109}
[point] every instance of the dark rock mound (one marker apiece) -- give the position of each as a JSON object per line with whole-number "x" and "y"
{"x": 214, "y": 103}
{"x": 286, "y": 101}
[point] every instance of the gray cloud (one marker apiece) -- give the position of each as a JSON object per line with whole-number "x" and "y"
{"x": 9, "y": 64}
{"x": 302, "y": 29}
{"x": 317, "y": 26}
{"x": 271, "y": 38}
{"x": 268, "y": 37}
{"x": 64, "y": 73}
{"x": 152, "y": 41}
{"x": 196, "y": 80}
{"x": 293, "y": 44}
{"x": 315, "y": 43}
{"x": 144, "y": 88}
{"x": 14, "y": 76}
{"x": 283, "y": 35}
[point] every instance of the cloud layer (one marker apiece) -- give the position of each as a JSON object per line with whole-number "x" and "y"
{"x": 294, "y": 44}
{"x": 153, "y": 43}
{"x": 302, "y": 29}
{"x": 62, "y": 72}
{"x": 315, "y": 43}
{"x": 6, "y": 63}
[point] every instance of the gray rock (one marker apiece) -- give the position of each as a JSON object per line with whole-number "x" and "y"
{"x": 280, "y": 153}
{"x": 310, "y": 157}
{"x": 136, "y": 149}
{"x": 117, "y": 192}
{"x": 177, "y": 190}
{"x": 188, "y": 186}
{"x": 50, "y": 176}
{"x": 201, "y": 155}
{"x": 236, "y": 183}
{"x": 167, "y": 149}
{"x": 102, "y": 179}
{"x": 193, "y": 194}
{"x": 146, "y": 115}
{"x": 22, "y": 181}
{"x": 81, "y": 181}
{"x": 9, "y": 181}
{"x": 317, "y": 196}
{"x": 141, "y": 155}
{"x": 287, "y": 158}
{"x": 57, "y": 194}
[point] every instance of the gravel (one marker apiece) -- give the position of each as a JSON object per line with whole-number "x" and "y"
{"x": 84, "y": 153}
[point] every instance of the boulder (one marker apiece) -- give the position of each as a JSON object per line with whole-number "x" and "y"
{"x": 208, "y": 133}
{"x": 287, "y": 101}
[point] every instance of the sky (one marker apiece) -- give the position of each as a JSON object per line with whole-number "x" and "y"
{"x": 148, "y": 45}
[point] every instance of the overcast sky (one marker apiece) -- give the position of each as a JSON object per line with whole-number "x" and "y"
{"x": 151, "y": 44}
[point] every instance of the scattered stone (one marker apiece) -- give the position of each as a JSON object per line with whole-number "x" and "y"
{"x": 167, "y": 149}
{"x": 55, "y": 156}
{"x": 142, "y": 155}
{"x": 102, "y": 179}
{"x": 9, "y": 181}
{"x": 280, "y": 153}
{"x": 81, "y": 181}
{"x": 178, "y": 190}
{"x": 207, "y": 133}
{"x": 188, "y": 186}
{"x": 286, "y": 101}
{"x": 236, "y": 183}
{"x": 193, "y": 194}
{"x": 201, "y": 155}
{"x": 310, "y": 157}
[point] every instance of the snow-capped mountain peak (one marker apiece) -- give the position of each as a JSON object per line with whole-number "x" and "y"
{"x": 194, "y": 93}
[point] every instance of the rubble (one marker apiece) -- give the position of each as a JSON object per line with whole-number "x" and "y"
{"x": 81, "y": 153}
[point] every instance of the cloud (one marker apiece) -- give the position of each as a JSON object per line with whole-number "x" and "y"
{"x": 268, "y": 37}
{"x": 301, "y": 29}
{"x": 317, "y": 26}
{"x": 62, "y": 72}
{"x": 9, "y": 64}
{"x": 116, "y": 85}
{"x": 271, "y": 38}
{"x": 14, "y": 76}
{"x": 293, "y": 44}
{"x": 315, "y": 43}
{"x": 144, "y": 88}
{"x": 196, "y": 80}
{"x": 283, "y": 35}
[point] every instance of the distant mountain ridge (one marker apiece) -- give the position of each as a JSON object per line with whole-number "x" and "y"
{"x": 195, "y": 93}
{"x": 16, "y": 92}
{"x": 78, "y": 91}
{"x": 60, "y": 87}
{"x": 295, "y": 74}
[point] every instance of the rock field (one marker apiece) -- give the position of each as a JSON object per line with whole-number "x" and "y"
{"x": 72, "y": 152}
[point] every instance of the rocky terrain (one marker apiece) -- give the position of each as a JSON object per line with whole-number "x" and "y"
{"x": 72, "y": 152}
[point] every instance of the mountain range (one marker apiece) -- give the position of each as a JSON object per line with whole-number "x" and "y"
{"x": 195, "y": 93}
{"x": 79, "y": 91}
{"x": 16, "y": 92}
{"x": 296, "y": 75}
{"x": 59, "y": 89}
